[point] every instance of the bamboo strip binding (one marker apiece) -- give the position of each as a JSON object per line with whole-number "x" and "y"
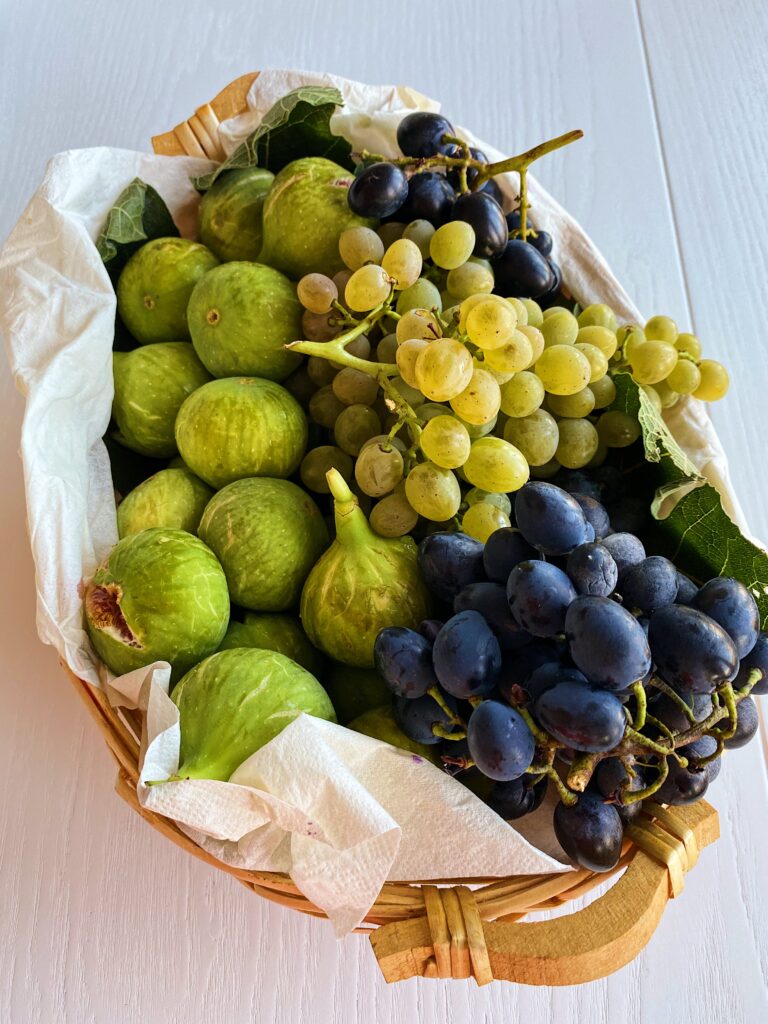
{"x": 426, "y": 929}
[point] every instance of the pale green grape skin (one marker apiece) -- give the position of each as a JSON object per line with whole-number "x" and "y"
{"x": 480, "y": 400}
{"x": 651, "y": 391}
{"x": 483, "y": 519}
{"x": 572, "y": 406}
{"x": 476, "y": 430}
{"x": 690, "y": 344}
{"x": 652, "y": 361}
{"x": 599, "y": 457}
{"x": 317, "y": 293}
{"x": 386, "y": 440}
{"x": 368, "y": 287}
{"x": 354, "y": 426}
{"x": 535, "y": 314}
{"x": 563, "y": 370}
{"x": 500, "y": 376}
{"x": 378, "y": 469}
{"x": 406, "y": 357}
{"x": 418, "y": 323}
{"x": 444, "y": 369}
{"x": 511, "y": 357}
{"x": 452, "y": 244}
{"x": 536, "y": 340}
{"x": 429, "y": 410}
{"x": 433, "y": 492}
{"x": 560, "y": 329}
{"x": 617, "y": 429}
{"x": 596, "y": 359}
{"x": 421, "y": 295}
{"x": 685, "y": 378}
{"x": 554, "y": 310}
{"x": 387, "y": 348}
{"x": 412, "y": 396}
{"x": 496, "y": 465}
{"x": 536, "y": 436}
{"x": 318, "y": 461}
{"x": 420, "y": 232}
{"x": 578, "y": 443}
{"x": 598, "y": 314}
{"x": 520, "y": 308}
{"x": 318, "y": 326}
{"x": 353, "y": 387}
{"x": 628, "y": 337}
{"x": 501, "y": 501}
{"x": 714, "y": 381}
{"x": 661, "y": 328}
{"x": 358, "y": 246}
{"x": 393, "y": 516}
{"x": 491, "y": 324}
{"x": 402, "y": 261}
{"x": 600, "y": 337}
{"x": 547, "y": 471}
{"x": 321, "y": 371}
{"x": 468, "y": 304}
{"x": 603, "y": 391}
{"x": 667, "y": 397}
{"x": 446, "y": 442}
{"x": 469, "y": 279}
{"x": 522, "y": 395}
{"x": 390, "y": 232}
{"x": 324, "y": 407}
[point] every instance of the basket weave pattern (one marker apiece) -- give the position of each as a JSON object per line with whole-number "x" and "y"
{"x": 451, "y": 930}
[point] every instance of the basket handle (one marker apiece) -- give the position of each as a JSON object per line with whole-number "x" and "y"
{"x": 453, "y": 941}
{"x": 199, "y": 134}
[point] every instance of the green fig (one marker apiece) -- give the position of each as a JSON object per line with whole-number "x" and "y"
{"x": 305, "y": 212}
{"x": 174, "y": 498}
{"x": 230, "y": 213}
{"x": 234, "y": 702}
{"x": 361, "y": 584}
{"x": 380, "y": 724}
{"x": 354, "y": 690}
{"x": 272, "y": 632}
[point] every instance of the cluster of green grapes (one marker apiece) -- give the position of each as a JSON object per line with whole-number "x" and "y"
{"x": 445, "y": 398}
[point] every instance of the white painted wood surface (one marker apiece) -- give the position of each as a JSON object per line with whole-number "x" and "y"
{"x": 102, "y": 919}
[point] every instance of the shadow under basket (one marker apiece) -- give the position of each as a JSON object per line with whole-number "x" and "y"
{"x": 447, "y": 929}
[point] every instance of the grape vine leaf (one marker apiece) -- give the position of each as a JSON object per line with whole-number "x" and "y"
{"x": 299, "y": 124}
{"x": 692, "y": 527}
{"x": 139, "y": 215}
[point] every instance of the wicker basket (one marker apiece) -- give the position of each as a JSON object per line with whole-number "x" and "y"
{"x": 448, "y": 930}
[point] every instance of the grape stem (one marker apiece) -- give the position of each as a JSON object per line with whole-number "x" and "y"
{"x": 451, "y": 715}
{"x": 581, "y": 771}
{"x": 335, "y": 350}
{"x": 659, "y": 684}
{"x": 567, "y": 796}
{"x": 641, "y": 702}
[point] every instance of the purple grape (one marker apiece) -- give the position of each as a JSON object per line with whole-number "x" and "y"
{"x": 757, "y": 658}
{"x": 430, "y": 197}
{"x": 522, "y": 271}
{"x": 590, "y": 833}
{"x": 515, "y": 799}
{"x": 539, "y": 595}
{"x": 682, "y": 785}
{"x": 704, "y": 746}
{"x": 594, "y": 513}
{"x": 501, "y": 744}
{"x": 686, "y": 590}
{"x": 490, "y": 599}
{"x": 747, "y": 723}
{"x": 550, "y": 674}
{"x": 421, "y": 134}
{"x": 581, "y": 717}
{"x": 429, "y": 629}
{"x": 731, "y": 605}
{"x": 378, "y": 191}
{"x": 505, "y": 549}
{"x": 549, "y": 518}
{"x": 650, "y": 584}
{"x": 486, "y": 217}
{"x": 449, "y": 562}
{"x": 418, "y": 717}
{"x": 403, "y": 658}
{"x": 592, "y": 570}
{"x": 466, "y": 656}
{"x": 626, "y": 549}
{"x": 670, "y": 714}
{"x": 613, "y": 781}
{"x": 607, "y": 643}
{"x": 691, "y": 651}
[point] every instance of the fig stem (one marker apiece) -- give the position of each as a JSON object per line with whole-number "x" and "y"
{"x": 351, "y": 523}
{"x": 338, "y": 486}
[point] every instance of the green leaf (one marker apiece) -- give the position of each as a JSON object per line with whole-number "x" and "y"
{"x": 299, "y": 124}
{"x": 138, "y": 216}
{"x": 692, "y": 527}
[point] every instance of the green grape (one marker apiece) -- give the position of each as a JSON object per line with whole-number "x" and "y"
{"x": 447, "y": 301}
{"x": 511, "y": 357}
{"x": 500, "y": 376}
{"x": 358, "y": 246}
{"x": 402, "y": 261}
{"x": 452, "y": 244}
{"x": 319, "y": 326}
{"x": 496, "y": 465}
{"x": 653, "y": 395}
{"x": 522, "y": 395}
{"x": 443, "y": 369}
{"x": 354, "y": 426}
{"x": 469, "y": 279}
{"x": 353, "y": 387}
{"x": 578, "y": 443}
{"x": 628, "y": 337}
{"x": 482, "y": 519}
{"x": 547, "y": 471}
{"x": 340, "y": 279}
{"x": 316, "y": 464}
{"x": 368, "y": 287}
{"x": 359, "y": 346}
{"x": 572, "y": 406}
{"x": 491, "y": 324}
{"x": 421, "y": 295}
{"x": 617, "y": 429}
{"x": 479, "y": 401}
{"x": 420, "y": 232}
{"x": 560, "y": 329}
{"x": 534, "y": 311}
{"x": 599, "y": 457}
{"x": 689, "y": 344}
{"x": 418, "y": 323}
{"x": 600, "y": 337}
{"x": 387, "y": 348}
{"x": 379, "y": 469}
{"x": 661, "y": 328}
{"x": 412, "y": 396}
{"x": 536, "y": 339}
{"x": 563, "y": 370}
{"x": 433, "y": 492}
{"x": 445, "y": 441}
{"x": 429, "y": 410}
{"x": 324, "y": 407}
{"x": 598, "y": 315}
{"x": 603, "y": 391}
{"x": 406, "y": 357}
{"x": 536, "y": 436}
{"x": 652, "y": 361}
{"x": 317, "y": 293}
{"x": 596, "y": 359}
{"x": 468, "y": 304}
{"x": 300, "y": 385}
{"x": 390, "y": 232}
{"x": 714, "y": 381}
{"x": 501, "y": 501}
{"x": 667, "y": 397}
{"x": 320, "y": 371}
{"x": 476, "y": 430}
{"x": 386, "y": 440}
{"x": 393, "y": 516}
{"x": 554, "y": 310}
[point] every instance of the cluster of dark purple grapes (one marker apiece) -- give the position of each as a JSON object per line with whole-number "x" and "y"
{"x": 566, "y": 656}
{"x": 523, "y": 268}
